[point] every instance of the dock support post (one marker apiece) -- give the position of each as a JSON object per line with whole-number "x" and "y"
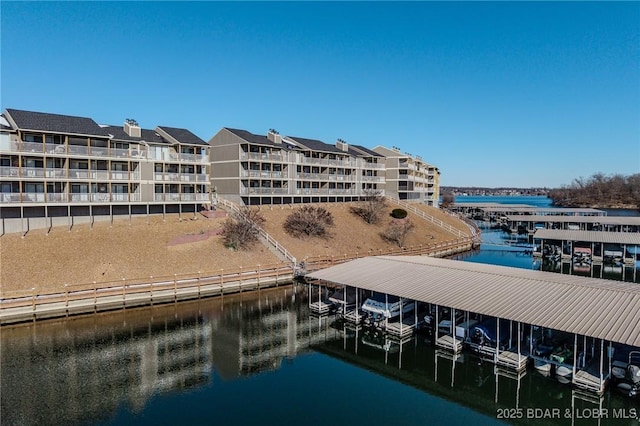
{"x": 519, "y": 340}
{"x": 495, "y": 360}
{"x": 575, "y": 354}
{"x": 601, "y": 360}
{"x": 401, "y": 309}
{"x": 453, "y": 331}
{"x": 435, "y": 327}
{"x": 386, "y": 309}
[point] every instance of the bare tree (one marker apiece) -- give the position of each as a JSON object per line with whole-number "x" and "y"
{"x": 371, "y": 208}
{"x": 309, "y": 221}
{"x": 241, "y": 231}
{"x": 448, "y": 198}
{"x": 397, "y": 231}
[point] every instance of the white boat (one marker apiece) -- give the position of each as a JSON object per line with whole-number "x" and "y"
{"x": 543, "y": 367}
{"x": 380, "y": 307}
{"x": 562, "y": 371}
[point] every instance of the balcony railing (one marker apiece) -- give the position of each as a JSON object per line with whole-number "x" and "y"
{"x": 350, "y": 163}
{"x": 259, "y": 156}
{"x": 265, "y": 174}
{"x": 373, "y": 179}
{"x": 79, "y": 150}
{"x": 176, "y": 196}
{"x": 262, "y": 190}
{"x": 324, "y": 191}
{"x": 376, "y": 166}
{"x": 41, "y": 197}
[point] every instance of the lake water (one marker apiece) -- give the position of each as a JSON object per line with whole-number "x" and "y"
{"x": 261, "y": 357}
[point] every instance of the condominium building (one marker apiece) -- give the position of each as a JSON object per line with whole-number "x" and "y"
{"x": 410, "y": 178}
{"x": 271, "y": 169}
{"x": 60, "y": 166}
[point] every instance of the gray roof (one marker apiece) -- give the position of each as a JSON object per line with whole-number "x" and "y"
{"x": 316, "y": 145}
{"x": 45, "y": 122}
{"x": 542, "y": 210}
{"x": 608, "y": 220}
{"x": 592, "y": 307}
{"x": 366, "y": 151}
{"x": 253, "y": 139}
{"x": 182, "y": 135}
{"x": 490, "y": 204}
{"x": 146, "y": 135}
{"x": 631, "y": 238}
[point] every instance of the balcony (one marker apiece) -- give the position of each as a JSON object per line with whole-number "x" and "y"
{"x": 176, "y": 196}
{"x": 373, "y": 179}
{"x": 370, "y": 166}
{"x": 264, "y": 174}
{"x": 261, "y": 156}
{"x": 192, "y": 158}
{"x": 351, "y": 163}
{"x": 324, "y": 191}
{"x": 264, "y": 191}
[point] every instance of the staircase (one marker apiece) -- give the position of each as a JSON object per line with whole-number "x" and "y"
{"x": 274, "y": 246}
{"x": 407, "y": 206}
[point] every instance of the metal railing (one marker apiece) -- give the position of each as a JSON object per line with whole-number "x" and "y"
{"x": 313, "y": 263}
{"x": 407, "y": 206}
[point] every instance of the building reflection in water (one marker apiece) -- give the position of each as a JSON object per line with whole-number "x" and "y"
{"x": 85, "y": 369}
{"x": 82, "y": 369}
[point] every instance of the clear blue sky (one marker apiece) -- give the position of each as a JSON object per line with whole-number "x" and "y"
{"x": 494, "y": 94}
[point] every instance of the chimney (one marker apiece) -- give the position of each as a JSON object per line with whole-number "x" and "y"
{"x": 342, "y": 145}
{"x": 131, "y": 128}
{"x": 274, "y": 136}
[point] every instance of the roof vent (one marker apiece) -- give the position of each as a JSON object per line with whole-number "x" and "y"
{"x": 274, "y": 136}
{"x": 131, "y": 128}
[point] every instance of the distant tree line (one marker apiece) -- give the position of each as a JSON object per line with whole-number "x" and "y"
{"x": 599, "y": 190}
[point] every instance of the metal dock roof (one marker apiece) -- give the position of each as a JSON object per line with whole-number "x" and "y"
{"x": 544, "y": 210}
{"x": 607, "y": 220}
{"x": 630, "y": 238}
{"x": 603, "y": 309}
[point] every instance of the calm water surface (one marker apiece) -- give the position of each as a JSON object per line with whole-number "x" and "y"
{"x": 262, "y": 358}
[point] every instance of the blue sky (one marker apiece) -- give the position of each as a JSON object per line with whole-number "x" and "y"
{"x": 494, "y": 94}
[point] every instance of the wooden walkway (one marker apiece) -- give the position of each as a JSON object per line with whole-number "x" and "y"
{"x": 82, "y": 301}
{"x": 587, "y": 381}
{"x": 449, "y": 343}
{"x": 512, "y": 360}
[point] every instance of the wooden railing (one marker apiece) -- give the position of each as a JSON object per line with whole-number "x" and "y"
{"x": 314, "y": 263}
{"x": 169, "y": 286}
{"x": 407, "y": 206}
{"x": 279, "y": 247}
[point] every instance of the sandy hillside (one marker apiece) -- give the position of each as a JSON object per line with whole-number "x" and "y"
{"x": 163, "y": 248}
{"x": 351, "y": 234}
{"x": 127, "y": 251}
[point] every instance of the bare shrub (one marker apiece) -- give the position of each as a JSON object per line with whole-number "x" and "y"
{"x": 241, "y": 231}
{"x": 309, "y": 221}
{"x": 371, "y": 208}
{"x": 448, "y": 198}
{"x": 397, "y": 231}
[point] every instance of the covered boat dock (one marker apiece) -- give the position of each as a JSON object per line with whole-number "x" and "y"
{"x": 517, "y": 222}
{"x": 595, "y": 313}
{"x": 604, "y": 246}
{"x": 494, "y": 211}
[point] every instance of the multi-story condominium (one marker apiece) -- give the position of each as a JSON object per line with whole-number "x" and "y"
{"x": 59, "y": 166}
{"x": 271, "y": 169}
{"x": 409, "y": 178}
